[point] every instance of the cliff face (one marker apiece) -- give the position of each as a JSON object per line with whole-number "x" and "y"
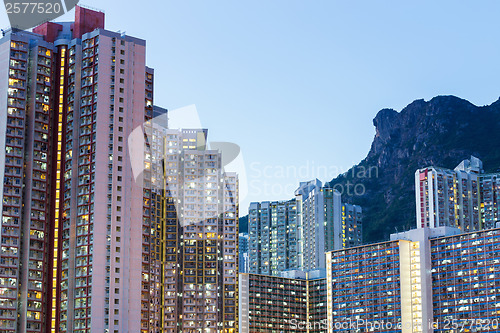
{"x": 440, "y": 132}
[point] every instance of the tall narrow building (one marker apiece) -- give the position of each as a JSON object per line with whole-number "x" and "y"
{"x": 86, "y": 245}
{"x": 27, "y": 181}
{"x": 465, "y": 198}
{"x": 490, "y": 199}
{"x": 195, "y": 231}
{"x": 273, "y": 236}
{"x": 243, "y": 253}
{"x": 327, "y": 224}
{"x": 352, "y": 224}
{"x": 295, "y": 234}
{"x": 311, "y": 201}
{"x": 75, "y": 244}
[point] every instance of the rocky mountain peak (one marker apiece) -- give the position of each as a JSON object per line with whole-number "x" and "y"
{"x": 441, "y": 132}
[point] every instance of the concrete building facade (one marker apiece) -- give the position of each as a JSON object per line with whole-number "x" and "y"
{"x": 423, "y": 280}
{"x": 273, "y": 242}
{"x": 295, "y": 234}
{"x": 195, "y": 229}
{"x": 294, "y": 302}
{"x": 87, "y": 244}
{"x": 27, "y": 182}
{"x": 243, "y": 261}
{"x": 466, "y": 280}
{"x": 72, "y": 93}
{"x": 464, "y": 198}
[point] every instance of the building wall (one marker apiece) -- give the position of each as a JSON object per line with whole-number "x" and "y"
{"x": 11, "y": 168}
{"x": 311, "y": 200}
{"x": 4, "y": 83}
{"x": 295, "y": 234}
{"x": 364, "y": 284}
{"x": 317, "y": 305}
{"x": 490, "y": 200}
{"x": 333, "y": 219}
{"x": 293, "y": 302}
{"x": 94, "y": 245}
{"x": 463, "y": 198}
{"x": 197, "y": 232}
{"x": 244, "y": 302}
{"x": 352, "y": 227}
{"x": 273, "y": 243}
{"x": 26, "y": 171}
{"x": 243, "y": 262}
{"x": 466, "y": 280}
{"x": 273, "y": 304}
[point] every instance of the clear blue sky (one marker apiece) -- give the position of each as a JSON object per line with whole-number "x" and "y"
{"x": 297, "y": 83}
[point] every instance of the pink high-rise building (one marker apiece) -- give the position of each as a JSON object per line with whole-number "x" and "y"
{"x": 75, "y": 242}
{"x": 86, "y": 245}
{"x": 465, "y": 198}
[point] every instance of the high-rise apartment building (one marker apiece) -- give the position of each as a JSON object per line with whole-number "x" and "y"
{"x": 364, "y": 285}
{"x": 466, "y": 280}
{"x": 87, "y": 246}
{"x": 295, "y": 234}
{"x": 333, "y": 220}
{"x": 27, "y": 114}
{"x": 327, "y": 224}
{"x": 273, "y": 236}
{"x": 243, "y": 242}
{"x": 311, "y": 202}
{"x": 342, "y": 221}
{"x": 76, "y": 244}
{"x": 423, "y": 280}
{"x": 195, "y": 230}
{"x": 490, "y": 199}
{"x": 352, "y": 216}
{"x": 465, "y": 197}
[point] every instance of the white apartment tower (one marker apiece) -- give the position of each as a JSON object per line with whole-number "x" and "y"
{"x": 295, "y": 234}
{"x": 273, "y": 237}
{"x": 311, "y": 203}
{"x": 326, "y": 223}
